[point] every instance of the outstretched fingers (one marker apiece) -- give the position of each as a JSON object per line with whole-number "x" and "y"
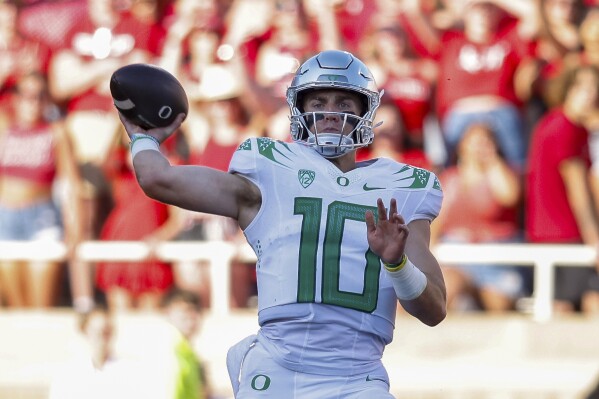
{"x": 382, "y": 211}
{"x": 370, "y": 223}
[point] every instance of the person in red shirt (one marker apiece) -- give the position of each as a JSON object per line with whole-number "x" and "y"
{"x": 35, "y": 160}
{"x": 482, "y": 199}
{"x": 392, "y": 140}
{"x": 104, "y": 39}
{"x": 478, "y": 63}
{"x": 407, "y": 79}
{"x": 19, "y": 54}
{"x": 559, "y": 207}
{"x": 135, "y": 217}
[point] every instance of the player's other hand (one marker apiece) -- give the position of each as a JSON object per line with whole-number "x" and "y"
{"x": 387, "y": 236}
{"x": 159, "y": 133}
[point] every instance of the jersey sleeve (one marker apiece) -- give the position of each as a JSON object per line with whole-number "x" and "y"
{"x": 427, "y": 205}
{"x": 243, "y": 161}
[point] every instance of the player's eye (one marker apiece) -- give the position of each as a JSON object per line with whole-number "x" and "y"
{"x": 347, "y": 107}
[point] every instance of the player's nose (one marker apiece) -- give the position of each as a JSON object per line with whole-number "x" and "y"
{"x": 332, "y": 116}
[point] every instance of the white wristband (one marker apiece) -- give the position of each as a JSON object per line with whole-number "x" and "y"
{"x": 143, "y": 142}
{"x": 409, "y": 282}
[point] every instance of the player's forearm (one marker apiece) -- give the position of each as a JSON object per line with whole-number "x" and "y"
{"x": 152, "y": 172}
{"x": 431, "y": 306}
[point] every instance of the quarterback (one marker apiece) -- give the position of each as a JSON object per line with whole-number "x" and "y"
{"x": 339, "y": 243}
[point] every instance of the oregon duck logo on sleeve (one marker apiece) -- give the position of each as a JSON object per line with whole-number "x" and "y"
{"x": 245, "y": 146}
{"x": 268, "y": 148}
{"x": 305, "y": 177}
{"x": 412, "y": 177}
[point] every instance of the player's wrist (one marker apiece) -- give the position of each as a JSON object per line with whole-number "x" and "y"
{"x": 408, "y": 281}
{"x": 394, "y": 267}
{"x": 141, "y": 136}
{"x": 143, "y": 142}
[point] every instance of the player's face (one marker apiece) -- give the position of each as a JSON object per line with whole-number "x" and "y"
{"x": 334, "y": 110}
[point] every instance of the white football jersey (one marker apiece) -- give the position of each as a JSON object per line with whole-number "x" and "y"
{"x": 325, "y": 304}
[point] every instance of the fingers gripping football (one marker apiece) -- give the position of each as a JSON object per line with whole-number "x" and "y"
{"x": 147, "y": 95}
{"x": 159, "y": 133}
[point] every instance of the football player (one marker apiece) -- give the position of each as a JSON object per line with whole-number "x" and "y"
{"x": 338, "y": 242}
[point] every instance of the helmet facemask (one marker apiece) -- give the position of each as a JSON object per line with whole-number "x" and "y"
{"x": 348, "y": 132}
{"x": 333, "y": 70}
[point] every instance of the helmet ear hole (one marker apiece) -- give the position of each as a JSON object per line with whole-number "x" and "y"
{"x": 299, "y": 102}
{"x": 365, "y": 105}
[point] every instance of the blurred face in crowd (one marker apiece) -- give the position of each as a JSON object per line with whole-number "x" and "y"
{"x": 203, "y": 44}
{"x": 390, "y": 44}
{"x": 29, "y": 99}
{"x": 103, "y": 12}
{"x": 185, "y": 317}
{"x": 560, "y": 11}
{"x": 480, "y": 21}
{"x": 287, "y": 14}
{"x": 203, "y": 12}
{"x": 589, "y": 30}
{"x": 389, "y": 137}
{"x": 582, "y": 96}
{"x": 478, "y": 144}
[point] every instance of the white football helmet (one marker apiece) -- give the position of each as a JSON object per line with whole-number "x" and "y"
{"x": 333, "y": 69}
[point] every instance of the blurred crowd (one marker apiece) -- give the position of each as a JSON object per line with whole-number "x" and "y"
{"x": 500, "y": 98}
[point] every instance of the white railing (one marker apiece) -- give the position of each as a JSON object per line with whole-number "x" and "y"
{"x": 542, "y": 257}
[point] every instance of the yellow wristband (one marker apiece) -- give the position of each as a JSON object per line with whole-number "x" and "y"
{"x": 395, "y": 267}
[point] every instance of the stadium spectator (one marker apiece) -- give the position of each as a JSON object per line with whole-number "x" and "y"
{"x": 559, "y": 204}
{"x": 589, "y": 36}
{"x": 407, "y": 79}
{"x": 135, "y": 217}
{"x": 36, "y": 162}
{"x": 228, "y": 125}
{"x": 589, "y": 32}
{"x": 102, "y": 40}
{"x": 194, "y": 31}
{"x": 187, "y": 377}
{"x": 224, "y": 126}
{"x": 392, "y": 140}
{"x": 96, "y": 371}
{"x": 271, "y": 58}
{"x": 478, "y": 61}
{"x": 342, "y": 23}
{"x": 481, "y": 203}
{"x": 558, "y": 27}
{"x": 19, "y": 55}
{"x": 555, "y": 35}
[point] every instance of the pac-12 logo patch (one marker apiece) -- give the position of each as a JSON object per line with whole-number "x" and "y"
{"x": 305, "y": 177}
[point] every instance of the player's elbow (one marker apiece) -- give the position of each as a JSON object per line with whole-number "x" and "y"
{"x": 431, "y": 316}
{"x": 154, "y": 185}
{"x": 429, "y": 309}
{"x": 435, "y": 317}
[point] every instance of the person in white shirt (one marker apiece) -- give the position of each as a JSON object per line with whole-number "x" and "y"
{"x": 96, "y": 372}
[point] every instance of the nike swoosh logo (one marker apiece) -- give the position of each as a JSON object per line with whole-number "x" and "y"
{"x": 366, "y": 188}
{"x": 375, "y": 379}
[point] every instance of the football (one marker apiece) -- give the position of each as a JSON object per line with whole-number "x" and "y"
{"x": 148, "y": 95}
